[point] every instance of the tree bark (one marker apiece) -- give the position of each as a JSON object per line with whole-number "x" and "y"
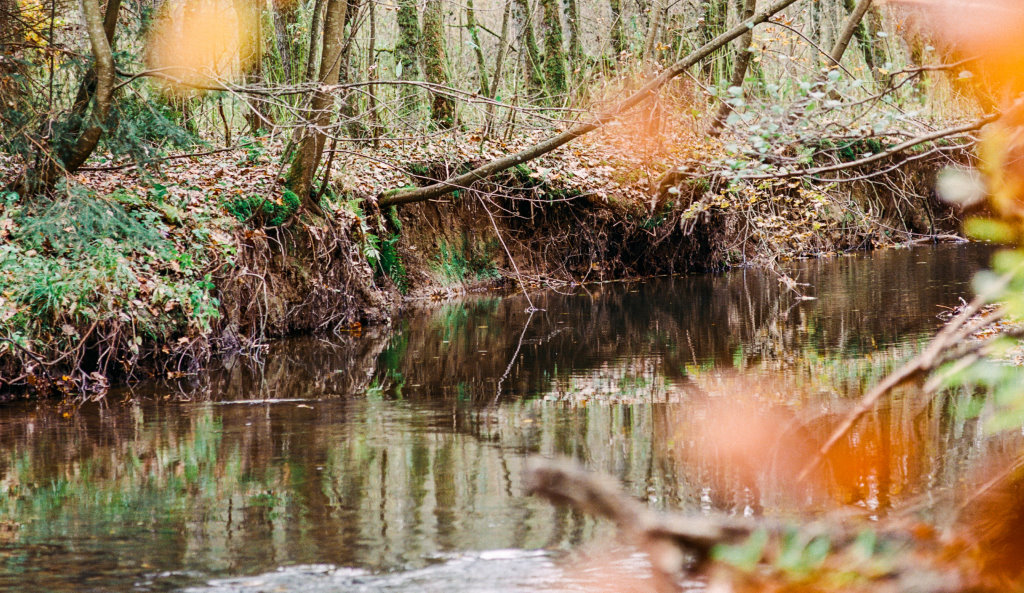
{"x": 306, "y": 157}
{"x": 572, "y": 18}
{"x": 653, "y": 28}
{"x": 87, "y": 87}
{"x": 739, "y": 72}
{"x": 372, "y": 74}
{"x": 313, "y": 55}
{"x": 867, "y": 36}
{"x": 715, "y": 13}
{"x": 499, "y": 64}
{"x": 69, "y": 157}
{"x": 478, "y": 51}
{"x": 554, "y": 53}
{"x": 349, "y": 108}
{"x": 250, "y": 33}
{"x": 420, "y": 194}
{"x": 852, "y": 24}
{"x": 534, "y": 76}
{"x": 283, "y": 20}
{"x": 407, "y": 53}
{"x": 618, "y": 38}
{"x": 10, "y": 39}
{"x": 442, "y": 107}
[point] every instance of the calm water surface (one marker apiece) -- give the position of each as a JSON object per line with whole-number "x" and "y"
{"x": 392, "y": 460}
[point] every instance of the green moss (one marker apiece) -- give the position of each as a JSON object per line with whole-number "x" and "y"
{"x": 442, "y": 107}
{"x": 554, "y": 53}
{"x": 406, "y": 52}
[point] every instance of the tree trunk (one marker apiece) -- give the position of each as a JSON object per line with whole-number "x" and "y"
{"x": 618, "y": 38}
{"x": 407, "y": 54}
{"x": 88, "y": 85}
{"x": 284, "y": 19}
{"x": 866, "y": 32}
{"x": 653, "y": 29}
{"x": 419, "y": 194}
{"x": 251, "y": 57}
{"x": 740, "y": 66}
{"x": 349, "y": 108}
{"x": 306, "y": 157}
{"x": 442, "y": 107}
{"x": 534, "y": 76}
{"x": 853, "y": 23}
{"x": 372, "y": 75}
{"x": 554, "y": 53}
{"x": 499, "y": 64}
{"x": 10, "y": 40}
{"x": 313, "y": 54}
{"x": 572, "y": 18}
{"x": 69, "y": 157}
{"x": 715, "y": 13}
{"x": 474, "y": 38}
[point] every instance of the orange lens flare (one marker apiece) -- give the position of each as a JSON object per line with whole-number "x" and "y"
{"x": 201, "y": 44}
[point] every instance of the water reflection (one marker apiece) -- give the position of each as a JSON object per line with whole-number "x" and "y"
{"x": 388, "y": 460}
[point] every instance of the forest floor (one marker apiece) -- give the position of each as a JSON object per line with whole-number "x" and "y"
{"x": 130, "y": 272}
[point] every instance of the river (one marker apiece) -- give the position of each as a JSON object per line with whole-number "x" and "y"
{"x": 391, "y": 460}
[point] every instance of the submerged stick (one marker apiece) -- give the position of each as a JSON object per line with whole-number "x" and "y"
{"x": 563, "y": 481}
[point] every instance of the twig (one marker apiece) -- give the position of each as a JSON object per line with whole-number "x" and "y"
{"x": 515, "y": 355}
{"x": 957, "y": 329}
{"x": 509, "y": 254}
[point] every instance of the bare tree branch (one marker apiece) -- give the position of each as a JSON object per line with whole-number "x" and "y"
{"x": 408, "y": 196}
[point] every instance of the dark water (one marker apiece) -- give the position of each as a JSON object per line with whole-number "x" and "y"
{"x": 392, "y": 460}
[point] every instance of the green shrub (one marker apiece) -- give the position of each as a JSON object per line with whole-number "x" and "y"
{"x": 264, "y": 211}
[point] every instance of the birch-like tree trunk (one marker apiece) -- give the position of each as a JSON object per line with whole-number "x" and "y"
{"x": 306, "y": 158}
{"x": 478, "y": 51}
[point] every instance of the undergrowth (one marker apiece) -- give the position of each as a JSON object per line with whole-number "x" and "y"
{"x": 102, "y": 282}
{"x": 468, "y": 261}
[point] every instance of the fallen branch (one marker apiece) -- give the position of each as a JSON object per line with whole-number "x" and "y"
{"x": 671, "y": 539}
{"x": 563, "y": 481}
{"x": 407, "y": 196}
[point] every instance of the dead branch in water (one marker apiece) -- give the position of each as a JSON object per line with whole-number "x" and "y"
{"x": 677, "y": 544}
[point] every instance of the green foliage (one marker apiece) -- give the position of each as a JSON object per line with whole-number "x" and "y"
{"x": 466, "y": 262}
{"x": 142, "y": 128}
{"x": 381, "y": 249}
{"x": 389, "y": 262}
{"x": 264, "y": 211}
{"x": 744, "y": 556}
{"x": 81, "y": 262}
{"x": 82, "y": 220}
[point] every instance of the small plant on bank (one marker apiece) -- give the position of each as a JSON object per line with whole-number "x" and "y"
{"x": 264, "y": 211}
{"x": 466, "y": 262}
